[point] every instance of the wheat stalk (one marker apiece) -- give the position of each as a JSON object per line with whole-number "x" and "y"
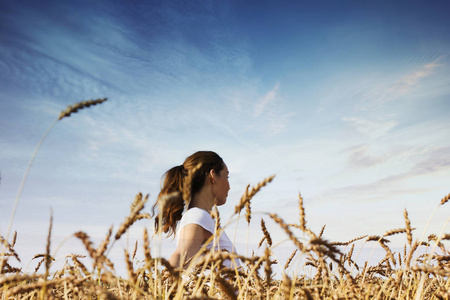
{"x": 286, "y": 286}
{"x": 408, "y": 227}
{"x": 9, "y": 247}
{"x": 102, "y": 248}
{"x": 395, "y": 231}
{"x": 69, "y": 110}
{"x": 147, "y": 253}
{"x": 137, "y": 206}
{"x": 268, "y": 266}
{"x": 349, "y": 242}
{"x": 77, "y": 106}
{"x": 135, "y": 250}
{"x": 87, "y": 244}
{"x": 47, "y": 252}
{"x": 6, "y": 280}
{"x": 80, "y": 265}
{"x": 130, "y": 271}
{"x": 288, "y": 261}
{"x": 322, "y": 230}
{"x": 286, "y": 229}
{"x": 227, "y": 288}
{"x": 445, "y": 199}
{"x": 266, "y": 233}
{"x": 302, "y": 212}
{"x": 248, "y": 195}
{"x": 14, "y": 239}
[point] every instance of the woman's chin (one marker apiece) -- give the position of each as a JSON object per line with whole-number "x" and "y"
{"x": 220, "y": 203}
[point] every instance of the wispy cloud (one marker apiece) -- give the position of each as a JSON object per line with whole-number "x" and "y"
{"x": 380, "y": 91}
{"x": 270, "y": 114}
{"x": 406, "y": 83}
{"x": 372, "y": 129}
{"x": 265, "y": 100}
{"x": 437, "y": 160}
{"x": 360, "y": 157}
{"x": 432, "y": 166}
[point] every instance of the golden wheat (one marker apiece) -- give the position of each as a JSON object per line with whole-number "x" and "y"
{"x": 266, "y": 233}
{"x": 408, "y": 227}
{"x": 80, "y": 105}
{"x": 445, "y": 199}
{"x": 288, "y": 261}
{"x": 135, "y": 209}
{"x": 248, "y": 195}
{"x": 326, "y": 273}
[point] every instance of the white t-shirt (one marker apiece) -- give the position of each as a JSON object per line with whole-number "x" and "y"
{"x": 201, "y": 217}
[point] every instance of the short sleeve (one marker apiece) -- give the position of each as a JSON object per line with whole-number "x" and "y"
{"x": 198, "y": 216}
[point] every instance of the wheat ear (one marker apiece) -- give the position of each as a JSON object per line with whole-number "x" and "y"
{"x": 288, "y": 231}
{"x": 349, "y": 242}
{"x": 288, "y": 261}
{"x": 445, "y": 199}
{"x": 147, "y": 252}
{"x": 136, "y": 207}
{"x": 248, "y": 195}
{"x": 70, "y": 109}
{"x": 266, "y": 233}
{"x": 302, "y": 213}
{"x": 47, "y": 252}
{"x": 408, "y": 228}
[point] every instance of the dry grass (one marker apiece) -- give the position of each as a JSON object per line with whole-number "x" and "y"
{"x": 328, "y": 272}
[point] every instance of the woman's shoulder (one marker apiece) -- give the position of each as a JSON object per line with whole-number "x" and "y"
{"x": 198, "y": 216}
{"x": 197, "y": 213}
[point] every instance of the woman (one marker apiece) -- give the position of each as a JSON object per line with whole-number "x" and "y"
{"x": 209, "y": 186}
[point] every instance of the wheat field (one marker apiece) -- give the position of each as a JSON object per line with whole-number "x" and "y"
{"x": 335, "y": 274}
{"x": 329, "y": 269}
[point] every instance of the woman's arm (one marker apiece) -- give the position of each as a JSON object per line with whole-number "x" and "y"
{"x": 192, "y": 237}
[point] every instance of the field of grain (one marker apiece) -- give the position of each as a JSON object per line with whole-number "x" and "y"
{"x": 420, "y": 271}
{"x": 336, "y": 275}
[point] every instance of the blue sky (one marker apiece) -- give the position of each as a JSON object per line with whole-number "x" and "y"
{"x": 346, "y": 102}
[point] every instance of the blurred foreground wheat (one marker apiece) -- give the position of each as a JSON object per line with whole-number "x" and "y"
{"x": 327, "y": 272}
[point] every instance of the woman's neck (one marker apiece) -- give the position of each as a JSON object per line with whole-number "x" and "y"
{"x": 203, "y": 199}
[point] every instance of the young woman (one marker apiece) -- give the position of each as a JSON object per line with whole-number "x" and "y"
{"x": 209, "y": 187}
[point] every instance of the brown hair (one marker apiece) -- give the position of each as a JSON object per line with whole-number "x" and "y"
{"x": 201, "y": 163}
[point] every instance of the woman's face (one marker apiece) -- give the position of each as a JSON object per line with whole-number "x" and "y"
{"x": 221, "y": 186}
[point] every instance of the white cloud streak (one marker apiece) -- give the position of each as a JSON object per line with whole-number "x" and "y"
{"x": 406, "y": 84}
{"x": 263, "y": 102}
{"x": 372, "y": 129}
{"x": 360, "y": 157}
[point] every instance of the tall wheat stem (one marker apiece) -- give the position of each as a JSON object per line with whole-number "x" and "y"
{"x": 248, "y": 235}
{"x": 235, "y": 231}
{"x": 19, "y": 193}
{"x": 69, "y": 110}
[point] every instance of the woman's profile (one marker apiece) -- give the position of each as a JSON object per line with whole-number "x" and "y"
{"x": 207, "y": 175}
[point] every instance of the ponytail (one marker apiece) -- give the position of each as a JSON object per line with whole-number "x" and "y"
{"x": 172, "y": 211}
{"x": 201, "y": 162}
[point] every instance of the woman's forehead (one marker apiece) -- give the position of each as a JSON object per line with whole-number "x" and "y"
{"x": 225, "y": 169}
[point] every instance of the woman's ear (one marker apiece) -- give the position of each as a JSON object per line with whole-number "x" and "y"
{"x": 212, "y": 176}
